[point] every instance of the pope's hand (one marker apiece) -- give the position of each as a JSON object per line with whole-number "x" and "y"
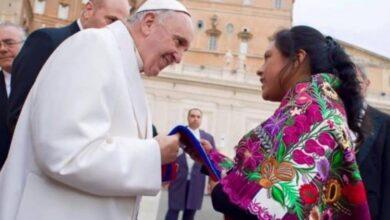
{"x": 169, "y": 147}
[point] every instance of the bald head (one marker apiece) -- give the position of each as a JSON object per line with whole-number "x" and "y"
{"x": 99, "y": 13}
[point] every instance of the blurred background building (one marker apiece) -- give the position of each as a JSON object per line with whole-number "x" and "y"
{"x": 217, "y": 75}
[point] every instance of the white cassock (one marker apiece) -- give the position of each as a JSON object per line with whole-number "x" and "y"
{"x": 83, "y": 146}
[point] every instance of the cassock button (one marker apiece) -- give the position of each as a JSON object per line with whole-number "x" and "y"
{"x": 109, "y": 140}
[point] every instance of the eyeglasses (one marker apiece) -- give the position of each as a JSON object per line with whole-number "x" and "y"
{"x": 9, "y": 43}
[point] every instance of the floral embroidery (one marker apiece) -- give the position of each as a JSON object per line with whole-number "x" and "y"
{"x": 326, "y": 139}
{"x": 301, "y": 156}
{"x": 355, "y": 193}
{"x": 255, "y": 208}
{"x": 332, "y": 191}
{"x": 323, "y": 167}
{"x": 272, "y": 172}
{"x": 312, "y": 146}
{"x": 250, "y": 154}
{"x": 328, "y": 91}
{"x": 309, "y": 193}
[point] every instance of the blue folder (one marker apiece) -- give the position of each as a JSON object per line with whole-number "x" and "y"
{"x": 188, "y": 139}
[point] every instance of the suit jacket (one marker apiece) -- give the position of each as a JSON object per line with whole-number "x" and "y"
{"x": 177, "y": 188}
{"x": 373, "y": 159}
{"x": 26, "y": 66}
{"x": 4, "y": 132}
{"x": 83, "y": 147}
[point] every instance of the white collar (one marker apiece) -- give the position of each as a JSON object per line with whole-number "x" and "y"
{"x": 6, "y": 74}
{"x": 7, "y": 80}
{"x": 194, "y": 130}
{"x": 79, "y": 24}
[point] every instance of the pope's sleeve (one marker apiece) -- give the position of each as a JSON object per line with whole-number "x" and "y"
{"x": 74, "y": 99}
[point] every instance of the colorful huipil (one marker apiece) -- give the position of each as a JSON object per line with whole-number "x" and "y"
{"x": 300, "y": 162}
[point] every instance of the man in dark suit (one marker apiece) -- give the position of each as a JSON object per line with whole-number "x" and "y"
{"x": 373, "y": 155}
{"x": 186, "y": 191}
{"x": 41, "y": 44}
{"x": 11, "y": 40}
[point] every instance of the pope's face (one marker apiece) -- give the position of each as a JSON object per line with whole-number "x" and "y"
{"x": 166, "y": 42}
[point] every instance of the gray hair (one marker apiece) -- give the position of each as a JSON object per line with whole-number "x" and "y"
{"x": 18, "y": 27}
{"x": 161, "y": 15}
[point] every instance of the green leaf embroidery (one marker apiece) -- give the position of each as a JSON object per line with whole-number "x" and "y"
{"x": 254, "y": 176}
{"x": 226, "y": 164}
{"x": 326, "y": 78}
{"x": 320, "y": 99}
{"x": 337, "y": 159}
{"x": 292, "y": 199}
{"x": 356, "y": 175}
{"x": 278, "y": 195}
{"x": 281, "y": 152}
{"x": 338, "y": 120}
{"x": 290, "y": 121}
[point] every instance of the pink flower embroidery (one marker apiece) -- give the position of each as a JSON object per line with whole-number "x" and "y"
{"x": 302, "y": 99}
{"x": 290, "y": 135}
{"x": 313, "y": 113}
{"x": 300, "y": 87}
{"x": 330, "y": 124}
{"x": 311, "y": 146}
{"x": 301, "y": 158}
{"x": 326, "y": 139}
{"x": 302, "y": 124}
{"x": 249, "y": 154}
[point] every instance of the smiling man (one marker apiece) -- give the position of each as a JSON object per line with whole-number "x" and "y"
{"x": 83, "y": 146}
{"x": 11, "y": 40}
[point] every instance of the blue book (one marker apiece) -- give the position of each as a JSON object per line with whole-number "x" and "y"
{"x": 188, "y": 139}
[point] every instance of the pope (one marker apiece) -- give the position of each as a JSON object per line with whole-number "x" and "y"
{"x": 83, "y": 146}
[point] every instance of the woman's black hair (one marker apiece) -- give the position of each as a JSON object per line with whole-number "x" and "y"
{"x": 326, "y": 56}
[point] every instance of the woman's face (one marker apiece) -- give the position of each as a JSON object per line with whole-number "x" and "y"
{"x": 271, "y": 73}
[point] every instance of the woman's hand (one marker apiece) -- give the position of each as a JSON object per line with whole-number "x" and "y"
{"x": 206, "y": 145}
{"x": 195, "y": 155}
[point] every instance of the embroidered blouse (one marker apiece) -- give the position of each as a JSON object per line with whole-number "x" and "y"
{"x": 299, "y": 162}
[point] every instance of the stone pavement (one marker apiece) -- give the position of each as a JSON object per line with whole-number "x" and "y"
{"x": 206, "y": 213}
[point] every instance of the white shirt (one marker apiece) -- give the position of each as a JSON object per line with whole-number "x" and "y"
{"x": 190, "y": 161}
{"x": 7, "y": 79}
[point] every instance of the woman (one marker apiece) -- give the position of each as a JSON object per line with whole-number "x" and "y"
{"x": 298, "y": 164}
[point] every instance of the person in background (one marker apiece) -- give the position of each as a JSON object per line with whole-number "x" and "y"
{"x": 186, "y": 192}
{"x": 373, "y": 155}
{"x": 12, "y": 37}
{"x": 41, "y": 44}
